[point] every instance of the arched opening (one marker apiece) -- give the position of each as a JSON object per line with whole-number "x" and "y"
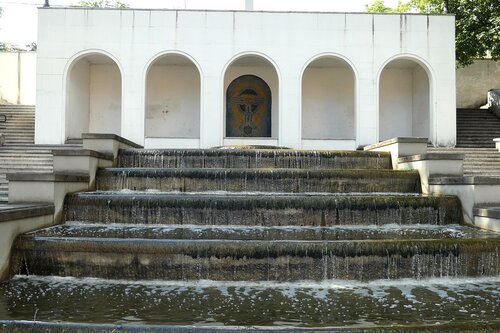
{"x": 94, "y": 96}
{"x": 248, "y": 107}
{"x": 328, "y": 102}
{"x": 251, "y": 101}
{"x": 172, "y": 101}
{"x": 404, "y": 100}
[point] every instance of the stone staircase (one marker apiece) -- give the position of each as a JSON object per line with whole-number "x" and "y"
{"x": 29, "y": 158}
{"x": 229, "y": 240}
{"x": 17, "y": 124}
{"x": 476, "y": 128}
{"x": 23, "y": 158}
{"x": 477, "y": 161}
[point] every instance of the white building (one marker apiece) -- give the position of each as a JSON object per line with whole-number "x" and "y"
{"x": 164, "y": 78}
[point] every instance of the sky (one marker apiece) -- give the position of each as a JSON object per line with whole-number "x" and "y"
{"x": 19, "y": 19}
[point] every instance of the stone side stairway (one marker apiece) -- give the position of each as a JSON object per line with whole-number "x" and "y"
{"x": 22, "y": 158}
{"x": 258, "y": 240}
{"x": 19, "y": 153}
{"x": 17, "y": 124}
{"x": 476, "y": 129}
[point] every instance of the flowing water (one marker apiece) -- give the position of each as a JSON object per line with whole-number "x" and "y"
{"x": 229, "y": 240}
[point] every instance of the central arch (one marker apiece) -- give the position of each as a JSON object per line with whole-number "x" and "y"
{"x": 248, "y": 79}
{"x": 248, "y": 107}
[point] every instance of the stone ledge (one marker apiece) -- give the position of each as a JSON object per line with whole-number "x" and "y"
{"x": 48, "y": 177}
{"x": 491, "y": 212}
{"x": 107, "y": 136}
{"x": 469, "y": 180}
{"x": 430, "y": 156}
{"x": 82, "y": 152}
{"x": 396, "y": 140}
{"x": 10, "y": 212}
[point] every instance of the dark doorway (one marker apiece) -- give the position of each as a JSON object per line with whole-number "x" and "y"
{"x": 248, "y": 107}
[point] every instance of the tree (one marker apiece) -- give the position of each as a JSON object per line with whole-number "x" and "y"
{"x": 102, "y": 4}
{"x": 378, "y": 6}
{"x": 477, "y": 24}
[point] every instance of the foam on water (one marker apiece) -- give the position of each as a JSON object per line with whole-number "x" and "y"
{"x": 250, "y": 193}
{"x": 406, "y": 285}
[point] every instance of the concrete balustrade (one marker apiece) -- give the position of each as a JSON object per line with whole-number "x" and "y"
{"x": 106, "y": 143}
{"x": 82, "y": 161}
{"x": 432, "y": 165}
{"x": 497, "y": 143}
{"x": 36, "y": 199}
{"x": 399, "y": 147}
{"x": 487, "y": 217}
{"x": 472, "y": 191}
{"x": 16, "y": 219}
{"x": 443, "y": 174}
{"x": 48, "y": 188}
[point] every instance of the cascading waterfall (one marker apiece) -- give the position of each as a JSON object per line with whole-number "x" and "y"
{"x": 259, "y": 239}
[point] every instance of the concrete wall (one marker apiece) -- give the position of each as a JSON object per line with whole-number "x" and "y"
{"x": 17, "y": 78}
{"x": 474, "y": 81}
{"x": 105, "y": 99}
{"x": 78, "y": 100}
{"x": 215, "y": 39}
{"x": 173, "y": 102}
{"x": 328, "y": 103}
{"x": 404, "y": 102}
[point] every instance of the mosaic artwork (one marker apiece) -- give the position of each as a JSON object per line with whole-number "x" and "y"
{"x": 248, "y": 108}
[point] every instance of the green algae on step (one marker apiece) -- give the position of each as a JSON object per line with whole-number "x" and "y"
{"x": 261, "y": 209}
{"x": 254, "y": 158}
{"x": 232, "y": 232}
{"x": 255, "y": 260}
{"x": 271, "y": 180}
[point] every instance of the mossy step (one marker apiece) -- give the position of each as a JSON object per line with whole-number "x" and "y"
{"x": 233, "y": 232}
{"x": 264, "y": 180}
{"x": 266, "y": 209}
{"x": 400, "y": 306}
{"x": 253, "y": 158}
{"x": 236, "y": 260}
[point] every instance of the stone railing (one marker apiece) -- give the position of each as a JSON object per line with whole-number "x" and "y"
{"x": 494, "y": 101}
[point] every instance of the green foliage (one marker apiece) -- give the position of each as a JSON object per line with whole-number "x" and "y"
{"x": 102, "y": 4}
{"x": 477, "y": 30}
{"x": 7, "y": 47}
{"x": 378, "y": 6}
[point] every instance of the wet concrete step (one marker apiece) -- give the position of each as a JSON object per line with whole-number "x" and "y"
{"x": 267, "y": 209}
{"x": 238, "y": 232}
{"x": 253, "y": 158}
{"x": 399, "y": 306}
{"x": 270, "y": 180}
{"x": 242, "y": 260}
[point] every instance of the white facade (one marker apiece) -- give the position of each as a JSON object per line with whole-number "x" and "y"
{"x": 159, "y": 77}
{"x": 17, "y": 77}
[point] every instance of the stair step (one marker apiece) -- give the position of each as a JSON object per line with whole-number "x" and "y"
{"x": 271, "y": 209}
{"x": 262, "y": 180}
{"x": 239, "y": 232}
{"x": 253, "y": 158}
{"x": 399, "y": 306}
{"x": 259, "y": 260}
